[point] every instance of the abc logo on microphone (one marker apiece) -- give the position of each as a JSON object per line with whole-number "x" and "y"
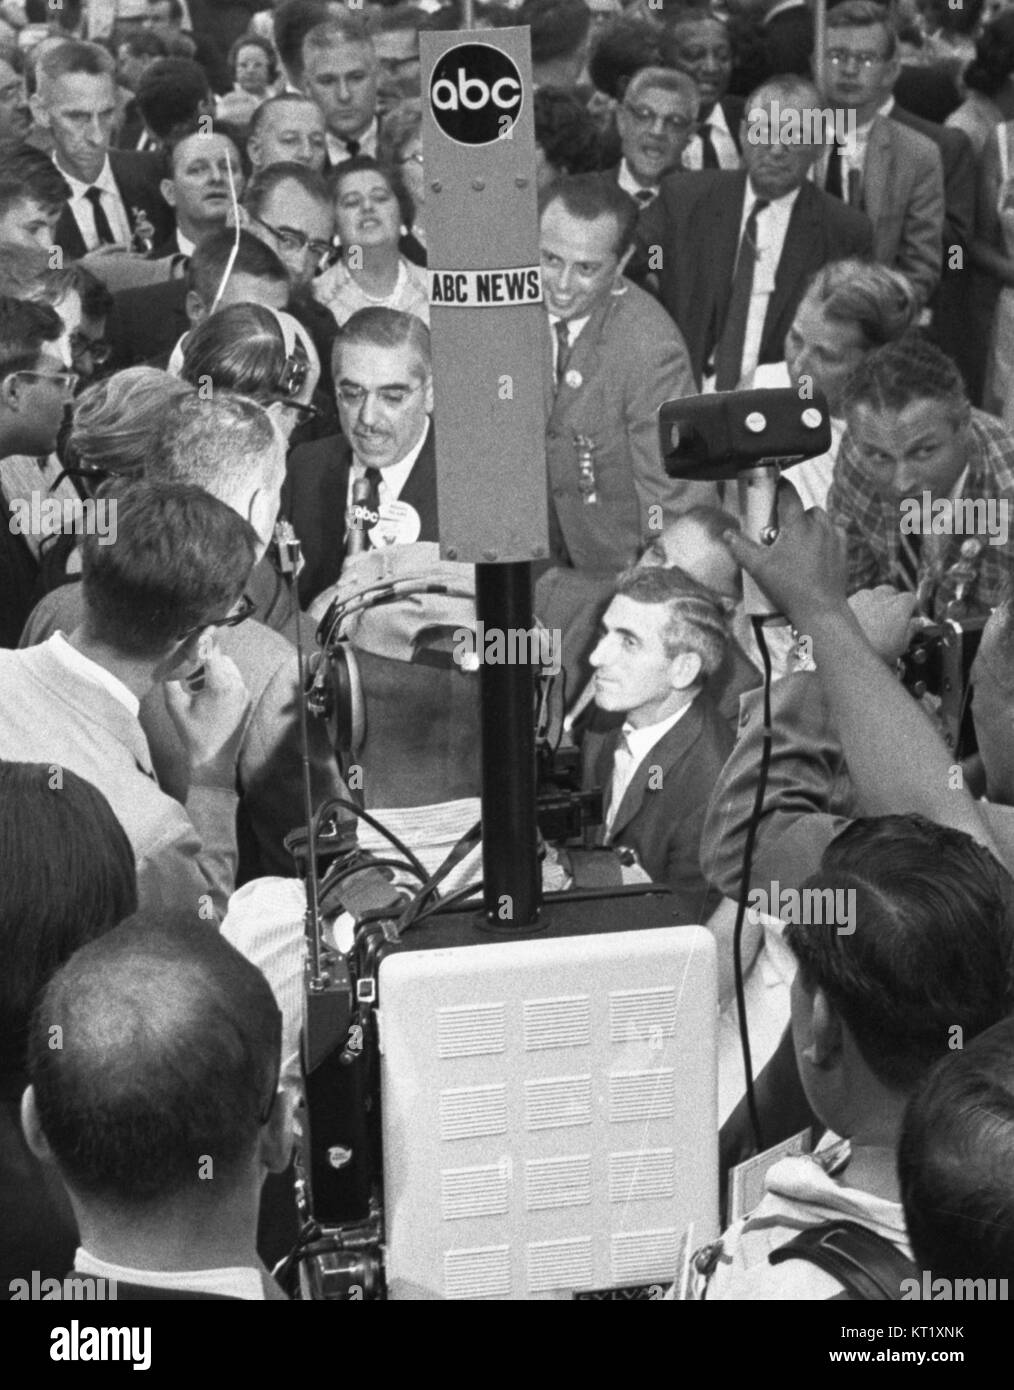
{"x": 475, "y": 93}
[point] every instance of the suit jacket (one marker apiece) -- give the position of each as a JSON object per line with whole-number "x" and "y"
{"x": 930, "y": 92}
{"x": 268, "y": 766}
{"x": 627, "y": 360}
{"x": 662, "y": 812}
{"x": 695, "y": 220}
{"x": 145, "y": 324}
{"x": 903, "y": 196}
{"x": 183, "y": 860}
{"x": 315, "y": 499}
{"x": 138, "y": 177}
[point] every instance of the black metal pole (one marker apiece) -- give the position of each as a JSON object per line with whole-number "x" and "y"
{"x": 511, "y": 874}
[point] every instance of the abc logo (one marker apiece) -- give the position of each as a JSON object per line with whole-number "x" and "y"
{"x": 473, "y": 89}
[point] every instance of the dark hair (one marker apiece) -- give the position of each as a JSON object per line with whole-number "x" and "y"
{"x": 170, "y": 95}
{"x": 171, "y": 1050}
{"x": 697, "y": 620}
{"x": 292, "y": 21}
{"x": 356, "y": 164}
{"x": 27, "y": 173}
{"x": 559, "y": 27}
{"x": 265, "y": 181}
{"x": 932, "y": 946}
{"x": 624, "y": 46}
{"x": 588, "y": 196}
{"x": 863, "y": 14}
{"x": 383, "y": 328}
{"x": 180, "y": 557}
{"x": 24, "y": 327}
{"x": 239, "y": 348}
{"x": 963, "y": 19}
{"x": 255, "y": 258}
{"x": 908, "y": 369}
{"x": 566, "y": 132}
{"x": 96, "y": 299}
{"x": 140, "y": 43}
{"x": 254, "y": 41}
{"x": 956, "y": 1160}
{"x": 68, "y": 876}
{"x": 994, "y": 56}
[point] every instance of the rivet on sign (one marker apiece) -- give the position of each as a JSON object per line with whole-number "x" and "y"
{"x": 436, "y": 186}
{"x": 756, "y": 422}
{"x": 521, "y": 183}
{"x": 452, "y": 554}
{"x": 478, "y": 185}
{"x": 812, "y": 418}
{"x": 489, "y": 556}
{"x": 573, "y": 379}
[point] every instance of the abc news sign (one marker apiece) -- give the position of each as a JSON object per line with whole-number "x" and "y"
{"x": 476, "y": 94}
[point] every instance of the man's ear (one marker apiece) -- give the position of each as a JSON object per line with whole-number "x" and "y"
{"x": 10, "y": 392}
{"x": 827, "y": 1031}
{"x": 168, "y": 190}
{"x": 685, "y": 670}
{"x": 30, "y": 1123}
{"x": 196, "y": 309}
{"x": 254, "y": 149}
{"x": 277, "y": 1135}
{"x": 40, "y": 113}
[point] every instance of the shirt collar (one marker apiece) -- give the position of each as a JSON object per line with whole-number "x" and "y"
{"x": 236, "y": 1281}
{"x": 337, "y": 149}
{"x": 625, "y": 178}
{"x": 395, "y": 475}
{"x": 86, "y": 669}
{"x": 786, "y": 201}
{"x": 187, "y": 247}
{"x": 641, "y": 741}
{"x": 105, "y": 180}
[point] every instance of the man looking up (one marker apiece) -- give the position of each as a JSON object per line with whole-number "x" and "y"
{"x": 287, "y": 129}
{"x": 198, "y": 188}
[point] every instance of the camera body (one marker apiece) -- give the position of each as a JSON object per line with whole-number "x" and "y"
{"x": 938, "y": 663}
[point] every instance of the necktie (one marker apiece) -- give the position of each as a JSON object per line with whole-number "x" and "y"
{"x": 909, "y": 552}
{"x": 644, "y": 196}
{"x": 357, "y": 537}
{"x": 352, "y": 148}
{"x": 729, "y": 352}
{"x": 709, "y": 155}
{"x": 562, "y": 332}
{"x": 103, "y": 230}
{"x": 833, "y": 183}
{"x": 623, "y": 770}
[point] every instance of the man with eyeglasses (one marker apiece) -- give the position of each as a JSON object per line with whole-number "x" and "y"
{"x": 35, "y": 390}
{"x": 289, "y": 207}
{"x": 893, "y": 173}
{"x": 153, "y": 591}
{"x": 734, "y": 250}
{"x": 380, "y": 479}
{"x": 655, "y": 121}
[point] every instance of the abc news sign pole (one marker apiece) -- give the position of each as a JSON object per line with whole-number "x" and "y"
{"x": 491, "y": 358}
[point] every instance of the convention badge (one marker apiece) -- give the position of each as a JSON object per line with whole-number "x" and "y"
{"x": 399, "y": 524}
{"x": 573, "y": 379}
{"x": 746, "y": 1181}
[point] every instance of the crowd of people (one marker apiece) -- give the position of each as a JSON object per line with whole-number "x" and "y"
{"x": 215, "y": 318}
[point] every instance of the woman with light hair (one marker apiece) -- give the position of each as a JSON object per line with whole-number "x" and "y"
{"x": 850, "y": 307}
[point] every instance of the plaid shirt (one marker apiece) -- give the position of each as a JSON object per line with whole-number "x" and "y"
{"x": 872, "y": 522}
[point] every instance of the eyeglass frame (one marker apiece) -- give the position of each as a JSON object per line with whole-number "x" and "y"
{"x": 364, "y": 395}
{"x": 646, "y": 117}
{"x": 838, "y": 57}
{"x": 299, "y": 241}
{"x": 247, "y": 607}
{"x": 100, "y": 350}
{"x": 74, "y": 378}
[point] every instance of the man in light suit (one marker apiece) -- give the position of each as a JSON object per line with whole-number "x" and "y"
{"x": 616, "y": 357}
{"x": 384, "y": 385}
{"x": 890, "y": 170}
{"x": 663, "y": 637}
{"x": 113, "y": 193}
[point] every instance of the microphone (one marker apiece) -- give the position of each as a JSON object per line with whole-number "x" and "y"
{"x": 363, "y": 513}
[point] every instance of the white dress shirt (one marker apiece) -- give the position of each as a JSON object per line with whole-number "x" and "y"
{"x": 112, "y": 206}
{"x": 625, "y": 178}
{"x": 186, "y": 246}
{"x": 772, "y": 226}
{"x": 234, "y": 1282}
{"x": 631, "y": 751}
{"x": 82, "y": 668}
{"x": 337, "y": 150}
{"x": 853, "y": 159}
{"x": 721, "y": 138}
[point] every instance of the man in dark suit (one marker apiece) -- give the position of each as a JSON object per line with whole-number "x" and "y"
{"x": 165, "y": 1189}
{"x": 115, "y": 194}
{"x": 655, "y": 119}
{"x": 699, "y": 44}
{"x": 386, "y": 462}
{"x": 663, "y": 637}
{"x": 733, "y": 250}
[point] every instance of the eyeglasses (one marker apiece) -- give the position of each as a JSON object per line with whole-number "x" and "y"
{"x": 293, "y": 240}
{"x": 243, "y": 610}
{"x": 844, "y": 57}
{"x": 68, "y": 380}
{"x": 392, "y": 396}
{"x": 99, "y": 351}
{"x": 647, "y": 116}
{"x": 303, "y": 413}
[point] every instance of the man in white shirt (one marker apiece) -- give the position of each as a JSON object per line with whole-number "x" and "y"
{"x": 699, "y": 44}
{"x": 112, "y": 194}
{"x": 162, "y": 1134}
{"x": 663, "y": 636}
{"x": 340, "y": 73}
{"x": 655, "y": 120}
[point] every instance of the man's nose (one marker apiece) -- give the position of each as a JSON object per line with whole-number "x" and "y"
{"x": 563, "y": 278}
{"x": 369, "y": 411}
{"x": 343, "y": 90}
